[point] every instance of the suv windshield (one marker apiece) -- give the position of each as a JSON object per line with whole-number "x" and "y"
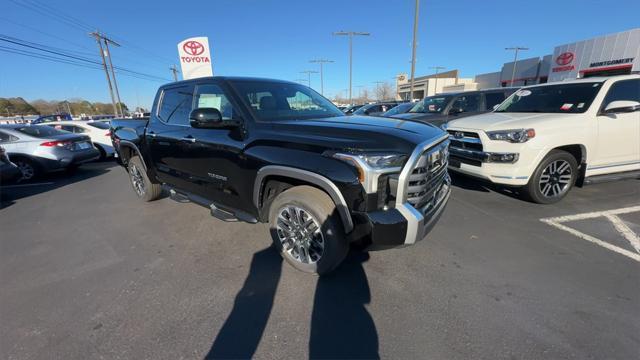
{"x": 284, "y": 101}
{"x": 40, "y": 131}
{"x": 561, "y": 98}
{"x": 432, "y": 105}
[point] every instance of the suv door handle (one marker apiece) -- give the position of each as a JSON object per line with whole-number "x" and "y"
{"x": 188, "y": 138}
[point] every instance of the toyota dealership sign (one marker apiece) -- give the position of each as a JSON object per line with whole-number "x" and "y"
{"x": 195, "y": 58}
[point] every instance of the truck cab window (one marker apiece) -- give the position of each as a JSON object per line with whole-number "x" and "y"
{"x": 493, "y": 99}
{"x": 467, "y": 103}
{"x": 176, "y": 106}
{"x": 212, "y": 96}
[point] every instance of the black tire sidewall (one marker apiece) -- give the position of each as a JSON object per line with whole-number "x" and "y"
{"x": 335, "y": 245}
{"x": 533, "y": 189}
{"x": 147, "y": 184}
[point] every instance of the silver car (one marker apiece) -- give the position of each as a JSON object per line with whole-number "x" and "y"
{"x": 41, "y": 149}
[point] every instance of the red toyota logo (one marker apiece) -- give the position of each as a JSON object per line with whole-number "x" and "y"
{"x": 564, "y": 58}
{"x": 193, "y": 48}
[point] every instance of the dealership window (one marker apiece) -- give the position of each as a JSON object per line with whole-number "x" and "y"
{"x": 176, "y": 105}
{"x": 212, "y": 96}
{"x": 623, "y": 90}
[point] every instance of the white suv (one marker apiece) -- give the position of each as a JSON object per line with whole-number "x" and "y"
{"x": 546, "y": 138}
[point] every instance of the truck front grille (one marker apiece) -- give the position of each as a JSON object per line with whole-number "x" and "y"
{"x": 428, "y": 177}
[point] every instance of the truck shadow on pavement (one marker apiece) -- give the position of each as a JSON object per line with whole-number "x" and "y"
{"x": 341, "y": 326}
{"x": 474, "y": 184}
{"x": 10, "y": 193}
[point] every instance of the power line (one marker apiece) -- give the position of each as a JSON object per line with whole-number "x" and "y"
{"x": 43, "y": 48}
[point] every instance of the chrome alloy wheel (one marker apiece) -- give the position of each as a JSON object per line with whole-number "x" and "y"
{"x": 300, "y": 234}
{"x": 136, "y": 180}
{"x": 556, "y": 178}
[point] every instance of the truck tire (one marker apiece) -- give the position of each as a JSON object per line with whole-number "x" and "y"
{"x": 142, "y": 186}
{"x": 553, "y": 178}
{"x": 307, "y": 230}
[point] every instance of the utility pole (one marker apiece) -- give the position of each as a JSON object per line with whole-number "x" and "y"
{"x": 98, "y": 38}
{"x": 350, "y": 34}
{"x": 413, "y": 49}
{"x": 437, "y": 68}
{"x": 321, "y": 62}
{"x": 107, "y": 41}
{"x": 309, "y": 72}
{"x": 515, "y": 60}
{"x": 174, "y": 70}
{"x": 377, "y": 88}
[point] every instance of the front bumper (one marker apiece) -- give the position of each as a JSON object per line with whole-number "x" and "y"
{"x": 400, "y": 226}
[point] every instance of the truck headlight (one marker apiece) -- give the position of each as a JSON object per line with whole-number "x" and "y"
{"x": 371, "y": 165}
{"x": 513, "y": 136}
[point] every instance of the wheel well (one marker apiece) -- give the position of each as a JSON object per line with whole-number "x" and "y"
{"x": 579, "y": 152}
{"x": 125, "y": 152}
{"x": 272, "y": 186}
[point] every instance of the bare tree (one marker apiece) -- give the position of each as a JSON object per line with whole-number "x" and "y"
{"x": 384, "y": 91}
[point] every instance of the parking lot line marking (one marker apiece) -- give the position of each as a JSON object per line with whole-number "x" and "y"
{"x": 618, "y": 224}
{"x": 625, "y": 230}
{"x": 26, "y": 185}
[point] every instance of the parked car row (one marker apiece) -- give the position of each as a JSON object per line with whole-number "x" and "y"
{"x": 51, "y": 146}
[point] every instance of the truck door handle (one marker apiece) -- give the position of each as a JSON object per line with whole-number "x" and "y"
{"x": 188, "y": 139}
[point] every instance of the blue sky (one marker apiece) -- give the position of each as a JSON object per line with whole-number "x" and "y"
{"x": 277, "y": 38}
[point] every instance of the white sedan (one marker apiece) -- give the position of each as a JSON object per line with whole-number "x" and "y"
{"x": 98, "y": 131}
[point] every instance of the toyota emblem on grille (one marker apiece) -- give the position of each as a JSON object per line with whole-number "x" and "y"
{"x": 458, "y": 134}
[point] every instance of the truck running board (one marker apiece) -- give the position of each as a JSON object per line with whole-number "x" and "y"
{"x": 216, "y": 211}
{"x": 597, "y": 179}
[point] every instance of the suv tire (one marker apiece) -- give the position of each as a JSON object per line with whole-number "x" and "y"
{"x": 553, "y": 178}
{"x": 307, "y": 230}
{"x": 142, "y": 186}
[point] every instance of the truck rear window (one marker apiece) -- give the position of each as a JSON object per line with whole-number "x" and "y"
{"x": 561, "y": 98}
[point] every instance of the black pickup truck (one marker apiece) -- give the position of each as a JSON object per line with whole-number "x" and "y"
{"x": 260, "y": 150}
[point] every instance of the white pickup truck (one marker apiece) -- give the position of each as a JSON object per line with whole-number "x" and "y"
{"x": 548, "y": 138}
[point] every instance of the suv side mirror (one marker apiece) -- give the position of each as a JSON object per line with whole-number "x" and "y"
{"x": 622, "y": 106}
{"x": 209, "y": 118}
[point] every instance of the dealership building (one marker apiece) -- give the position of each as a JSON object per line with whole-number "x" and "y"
{"x": 613, "y": 54}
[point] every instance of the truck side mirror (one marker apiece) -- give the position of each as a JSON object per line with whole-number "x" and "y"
{"x": 209, "y": 118}
{"x": 622, "y": 106}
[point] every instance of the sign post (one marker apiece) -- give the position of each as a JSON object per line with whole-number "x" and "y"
{"x": 195, "y": 58}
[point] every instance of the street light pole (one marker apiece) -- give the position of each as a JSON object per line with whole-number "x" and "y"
{"x": 515, "y": 60}
{"x": 351, "y": 34}
{"x": 321, "y": 62}
{"x": 437, "y": 68}
{"x": 413, "y": 49}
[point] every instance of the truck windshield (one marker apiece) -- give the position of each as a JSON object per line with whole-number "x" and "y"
{"x": 284, "y": 101}
{"x": 431, "y": 104}
{"x": 561, "y": 98}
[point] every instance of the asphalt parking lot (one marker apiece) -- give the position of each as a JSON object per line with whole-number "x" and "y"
{"x": 89, "y": 272}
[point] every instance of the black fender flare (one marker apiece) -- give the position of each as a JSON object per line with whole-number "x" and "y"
{"x": 316, "y": 179}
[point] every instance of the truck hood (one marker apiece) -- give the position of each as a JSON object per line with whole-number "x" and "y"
{"x": 356, "y": 133}
{"x": 506, "y": 121}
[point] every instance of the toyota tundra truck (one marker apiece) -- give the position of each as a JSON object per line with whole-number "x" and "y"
{"x": 259, "y": 150}
{"x": 547, "y": 138}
